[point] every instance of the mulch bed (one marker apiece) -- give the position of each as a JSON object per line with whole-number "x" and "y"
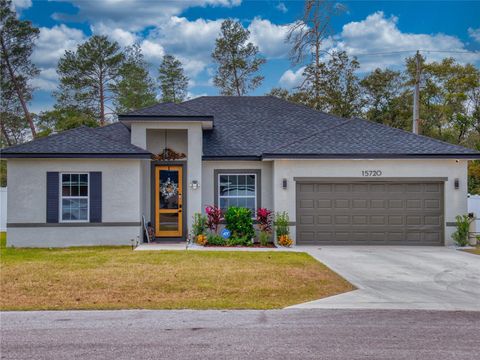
{"x": 239, "y": 246}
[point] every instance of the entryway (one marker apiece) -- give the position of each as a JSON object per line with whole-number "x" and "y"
{"x": 169, "y": 201}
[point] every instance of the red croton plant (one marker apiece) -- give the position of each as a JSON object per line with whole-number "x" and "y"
{"x": 264, "y": 220}
{"x": 214, "y": 217}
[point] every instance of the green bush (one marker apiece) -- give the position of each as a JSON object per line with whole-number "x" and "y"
{"x": 281, "y": 224}
{"x": 463, "y": 226}
{"x": 239, "y": 241}
{"x": 239, "y": 222}
{"x": 215, "y": 240}
{"x": 199, "y": 225}
{"x": 264, "y": 238}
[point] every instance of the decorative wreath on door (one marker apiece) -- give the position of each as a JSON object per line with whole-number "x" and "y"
{"x": 168, "y": 189}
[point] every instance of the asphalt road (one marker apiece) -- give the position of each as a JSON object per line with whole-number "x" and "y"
{"x": 278, "y": 334}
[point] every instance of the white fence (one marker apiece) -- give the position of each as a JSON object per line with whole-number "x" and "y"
{"x": 474, "y": 207}
{"x": 3, "y": 209}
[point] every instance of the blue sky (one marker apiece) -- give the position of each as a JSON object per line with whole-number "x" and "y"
{"x": 188, "y": 30}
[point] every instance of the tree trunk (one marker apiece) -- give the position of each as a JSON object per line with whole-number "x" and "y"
{"x": 5, "y": 134}
{"x": 102, "y": 102}
{"x": 17, "y": 89}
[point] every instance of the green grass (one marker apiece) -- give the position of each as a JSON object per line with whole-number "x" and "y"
{"x": 119, "y": 278}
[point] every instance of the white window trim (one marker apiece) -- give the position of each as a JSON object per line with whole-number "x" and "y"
{"x": 238, "y": 196}
{"x": 60, "y": 215}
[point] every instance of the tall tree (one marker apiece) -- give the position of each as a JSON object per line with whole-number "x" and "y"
{"x": 306, "y": 36}
{"x": 237, "y": 60}
{"x": 338, "y": 89}
{"x": 135, "y": 89}
{"x": 386, "y": 98}
{"x": 17, "y": 40}
{"x": 60, "y": 119}
{"x": 88, "y": 74}
{"x": 172, "y": 78}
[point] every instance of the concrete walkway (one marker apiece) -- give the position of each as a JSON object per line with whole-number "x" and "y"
{"x": 433, "y": 278}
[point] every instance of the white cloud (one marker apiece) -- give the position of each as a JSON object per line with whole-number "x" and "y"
{"x": 270, "y": 38}
{"x": 50, "y": 47}
{"x": 281, "y": 7}
{"x": 291, "y": 79}
{"x": 18, "y": 5}
{"x": 474, "y": 34}
{"x": 379, "y": 34}
{"x": 152, "y": 51}
{"x": 123, "y": 37}
{"x": 135, "y": 15}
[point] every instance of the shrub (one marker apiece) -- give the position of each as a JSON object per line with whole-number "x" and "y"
{"x": 215, "y": 240}
{"x": 264, "y": 238}
{"x": 281, "y": 224}
{"x": 463, "y": 225}
{"x": 199, "y": 225}
{"x": 264, "y": 219}
{"x": 215, "y": 216}
{"x": 239, "y": 222}
{"x": 285, "y": 240}
{"x": 239, "y": 241}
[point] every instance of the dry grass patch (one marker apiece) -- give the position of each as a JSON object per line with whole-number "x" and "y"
{"x": 118, "y": 278}
{"x": 475, "y": 251}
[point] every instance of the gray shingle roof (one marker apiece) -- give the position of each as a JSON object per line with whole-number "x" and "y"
{"x": 81, "y": 142}
{"x": 165, "y": 110}
{"x": 259, "y": 126}
{"x": 252, "y": 127}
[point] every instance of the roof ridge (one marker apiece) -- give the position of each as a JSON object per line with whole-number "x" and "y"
{"x": 345, "y": 121}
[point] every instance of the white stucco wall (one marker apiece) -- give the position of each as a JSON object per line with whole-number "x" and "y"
{"x": 208, "y": 179}
{"x": 455, "y": 200}
{"x": 121, "y": 202}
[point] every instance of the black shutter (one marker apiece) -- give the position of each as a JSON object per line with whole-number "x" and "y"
{"x": 52, "y": 197}
{"x": 95, "y": 197}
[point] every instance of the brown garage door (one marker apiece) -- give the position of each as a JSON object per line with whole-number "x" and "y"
{"x": 370, "y": 213}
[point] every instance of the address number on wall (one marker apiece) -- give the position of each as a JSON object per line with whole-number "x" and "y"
{"x": 371, "y": 173}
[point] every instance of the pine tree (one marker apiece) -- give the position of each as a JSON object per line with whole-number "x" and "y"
{"x": 237, "y": 60}
{"x": 173, "y": 81}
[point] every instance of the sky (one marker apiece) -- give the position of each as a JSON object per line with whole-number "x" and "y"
{"x": 379, "y": 33}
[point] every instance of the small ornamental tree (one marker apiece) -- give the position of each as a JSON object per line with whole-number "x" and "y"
{"x": 264, "y": 219}
{"x": 215, "y": 216}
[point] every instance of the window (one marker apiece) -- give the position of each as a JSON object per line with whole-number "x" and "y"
{"x": 74, "y": 197}
{"x": 237, "y": 190}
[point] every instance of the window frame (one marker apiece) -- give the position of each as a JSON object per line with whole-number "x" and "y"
{"x": 61, "y": 197}
{"x": 257, "y": 176}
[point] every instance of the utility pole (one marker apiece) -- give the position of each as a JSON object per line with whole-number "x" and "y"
{"x": 416, "y": 94}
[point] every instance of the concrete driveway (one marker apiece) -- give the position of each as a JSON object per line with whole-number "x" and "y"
{"x": 433, "y": 278}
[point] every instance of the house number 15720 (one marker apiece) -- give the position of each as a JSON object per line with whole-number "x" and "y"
{"x": 370, "y": 173}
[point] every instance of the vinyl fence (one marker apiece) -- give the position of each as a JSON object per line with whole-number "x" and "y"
{"x": 3, "y": 209}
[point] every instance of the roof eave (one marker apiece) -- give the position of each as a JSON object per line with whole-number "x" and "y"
{"x": 75, "y": 156}
{"x": 207, "y": 121}
{"x": 466, "y": 156}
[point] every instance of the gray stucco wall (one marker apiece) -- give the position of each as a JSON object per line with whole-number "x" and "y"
{"x": 455, "y": 199}
{"x": 208, "y": 179}
{"x": 121, "y": 203}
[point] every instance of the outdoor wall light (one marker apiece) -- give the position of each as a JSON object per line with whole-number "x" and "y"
{"x": 284, "y": 183}
{"x": 456, "y": 182}
{"x": 194, "y": 185}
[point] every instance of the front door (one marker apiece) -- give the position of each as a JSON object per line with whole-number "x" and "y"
{"x": 168, "y": 201}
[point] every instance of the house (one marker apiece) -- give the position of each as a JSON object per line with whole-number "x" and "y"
{"x": 342, "y": 181}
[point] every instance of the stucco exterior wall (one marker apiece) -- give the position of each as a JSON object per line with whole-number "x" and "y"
{"x": 455, "y": 199}
{"x": 208, "y": 179}
{"x": 121, "y": 203}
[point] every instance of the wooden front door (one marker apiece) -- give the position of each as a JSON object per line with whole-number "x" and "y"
{"x": 168, "y": 201}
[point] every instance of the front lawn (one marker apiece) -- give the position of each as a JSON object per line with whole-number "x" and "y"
{"x": 119, "y": 278}
{"x": 475, "y": 251}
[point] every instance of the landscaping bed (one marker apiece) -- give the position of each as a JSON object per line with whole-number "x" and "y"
{"x": 119, "y": 278}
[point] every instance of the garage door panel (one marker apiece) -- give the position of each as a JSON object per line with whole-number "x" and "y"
{"x": 370, "y": 213}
